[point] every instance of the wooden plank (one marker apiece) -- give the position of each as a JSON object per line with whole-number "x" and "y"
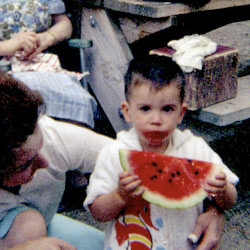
{"x": 107, "y": 62}
{"x": 156, "y": 9}
{"x": 93, "y": 2}
{"x": 137, "y": 28}
{"x": 230, "y": 111}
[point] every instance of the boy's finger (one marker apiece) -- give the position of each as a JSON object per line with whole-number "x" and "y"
{"x": 216, "y": 193}
{"x": 138, "y": 192}
{"x": 212, "y": 190}
{"x": 125, "y": 174}
{"x": 215, "y": 184}
{"x": 221, "y": 176}
{"x": 133, "y": 186}
{"x": 128, "y": 179}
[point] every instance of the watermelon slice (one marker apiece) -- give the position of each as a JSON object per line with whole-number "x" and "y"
{"x": 169, "y": 181}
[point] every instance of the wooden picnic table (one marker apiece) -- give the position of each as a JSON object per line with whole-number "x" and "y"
{"x": 116, "y": 26}
{"x": 158, "y": 9}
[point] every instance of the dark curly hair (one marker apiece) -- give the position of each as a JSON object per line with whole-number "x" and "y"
{"x": 160, "y": 70}
{"x": 19, "y": 111}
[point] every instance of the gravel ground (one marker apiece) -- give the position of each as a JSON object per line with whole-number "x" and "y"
{"x": 233, "y": 147}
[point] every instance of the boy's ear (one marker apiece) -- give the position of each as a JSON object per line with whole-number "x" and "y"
{"x": 183, "y": 111}
{"x": 125, "y": 111}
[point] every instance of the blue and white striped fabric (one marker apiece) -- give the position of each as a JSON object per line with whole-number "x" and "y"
{"x": 64, "y": 96}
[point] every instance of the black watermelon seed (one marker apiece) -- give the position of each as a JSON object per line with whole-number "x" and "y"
{"x": 154, "y": 164}
{"x": 153, "y": 177}
{"x": 196, "y": 172}
{"x": 159, "y": 170}
{"x": 170, "y": 180}
{"x": 173, "y": 174}
{"x": 189, "y": 160}
{"x": 178, "y": 173}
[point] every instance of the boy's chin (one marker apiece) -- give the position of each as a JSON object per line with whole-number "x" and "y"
{"x": 155, "y": 142}
{"x": 157, "y": 145}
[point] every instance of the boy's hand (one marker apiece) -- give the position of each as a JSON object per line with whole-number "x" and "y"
{"x": 217, "y": 187}
{"x": 129, "y": 185}
{"x": 224, "y": 194}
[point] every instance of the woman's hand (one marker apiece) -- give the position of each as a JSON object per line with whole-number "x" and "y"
{"x": 26, "y": 42}
{"x": 60, "y": 30}
{"x": 44, "y": 243}
{"x": 45, "y": 40}
{"x": 208, "y": 229}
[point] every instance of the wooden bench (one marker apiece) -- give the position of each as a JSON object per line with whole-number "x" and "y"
{"x": 117, "y": 27}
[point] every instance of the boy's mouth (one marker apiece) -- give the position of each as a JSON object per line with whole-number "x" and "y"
{"x": 155, "y": 135}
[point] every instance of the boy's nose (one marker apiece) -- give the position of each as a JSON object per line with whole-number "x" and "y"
{"x": 156, "y": 118}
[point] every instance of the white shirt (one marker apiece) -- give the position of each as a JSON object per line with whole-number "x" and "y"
{"x": 171, "y": 226}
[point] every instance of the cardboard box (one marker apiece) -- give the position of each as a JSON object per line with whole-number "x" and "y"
{"x": 216, "y": 82}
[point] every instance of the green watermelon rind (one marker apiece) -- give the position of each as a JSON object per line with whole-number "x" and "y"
{"x": 160, "y": 200}
{"x": 123, "y": 155}
{"x": 186, "y": 202}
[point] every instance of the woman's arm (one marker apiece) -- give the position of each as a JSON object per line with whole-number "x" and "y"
{"x": 62, "y": 27}
{"x": 32, "y": 43}
{"x": 27, "y": 225}
{"x": 208, "y": 229}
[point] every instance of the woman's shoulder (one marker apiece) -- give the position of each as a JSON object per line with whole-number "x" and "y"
{"x": 56, "y": 6}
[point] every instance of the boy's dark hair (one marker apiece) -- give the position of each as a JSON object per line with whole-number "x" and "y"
{"x": 19, "y": 111}
{"x": 160, "y": 70}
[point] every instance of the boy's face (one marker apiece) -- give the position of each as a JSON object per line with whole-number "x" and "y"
{"x": 154, "y": 114}
{"x": 29, "y": 159}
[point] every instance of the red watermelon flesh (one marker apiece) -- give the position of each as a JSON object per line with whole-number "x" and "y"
{"x": 169, "y": 181}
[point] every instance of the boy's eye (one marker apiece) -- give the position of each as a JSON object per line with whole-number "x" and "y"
{"x": 145, "y": 108}
{"x": 167, "y": 108}
{"x": 23, "y": 167}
